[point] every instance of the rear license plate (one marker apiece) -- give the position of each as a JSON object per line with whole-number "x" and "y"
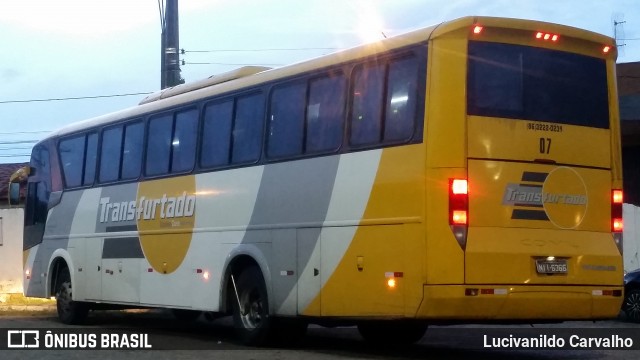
{"x": 558, "y": 266}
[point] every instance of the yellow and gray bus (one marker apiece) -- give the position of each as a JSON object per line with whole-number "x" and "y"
{"x": 465, "y": 172}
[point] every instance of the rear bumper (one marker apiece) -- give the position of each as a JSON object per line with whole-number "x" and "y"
{"x": 518, "y": 302}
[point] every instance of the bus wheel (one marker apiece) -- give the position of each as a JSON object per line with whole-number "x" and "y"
{"x": 392, "y": 332}
{"x": 251, "y": 307}
{"x": 69, "y": 311}
{"x": 631, "y": 305}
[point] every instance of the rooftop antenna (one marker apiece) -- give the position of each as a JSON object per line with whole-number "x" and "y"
{"x": 617, "y": 19}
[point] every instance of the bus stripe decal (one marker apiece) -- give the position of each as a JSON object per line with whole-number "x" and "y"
{"x": 534, "y": 176}
{"x": 522, "y": 214}
{"x": 122, "y": 248}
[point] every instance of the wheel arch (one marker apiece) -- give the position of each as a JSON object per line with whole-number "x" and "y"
{"x": 240, "y": 258}
{"x": 59, "y": 260}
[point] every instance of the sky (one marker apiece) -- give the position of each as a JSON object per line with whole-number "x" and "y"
{"x": 79, "y": 48}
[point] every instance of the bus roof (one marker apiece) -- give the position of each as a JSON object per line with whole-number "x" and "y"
{"x": 247, "y": 76}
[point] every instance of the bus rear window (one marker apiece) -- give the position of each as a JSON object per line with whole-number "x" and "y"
{"x": 523, "y": 82}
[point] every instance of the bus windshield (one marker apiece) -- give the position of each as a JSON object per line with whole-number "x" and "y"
{"x": 530, "y": 83}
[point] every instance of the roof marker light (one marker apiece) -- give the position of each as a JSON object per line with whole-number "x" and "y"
{"x": 477, "y": 29}
{"x": 606, "y": 49}
{"x": 539, "y": 35}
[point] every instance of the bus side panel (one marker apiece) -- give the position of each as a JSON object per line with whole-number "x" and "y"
{"x": 388, "y": 243}
{"x": 445, "y": 138}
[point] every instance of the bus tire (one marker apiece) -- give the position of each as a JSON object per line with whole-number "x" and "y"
{"x": 70, "y": 312}
{"x": 392, "y": 332}
{"x": 631, "y": 305}
{"x": 251, "y": 316}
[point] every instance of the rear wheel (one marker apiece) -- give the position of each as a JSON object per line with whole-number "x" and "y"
{"x": 392, "y": 332}
{"x": 631, "y": 305}
{"x": 69, "y": 311}
{"x": 251, "y": 307}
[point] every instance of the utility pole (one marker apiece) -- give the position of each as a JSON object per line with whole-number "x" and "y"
{"x": 169, "y": 57}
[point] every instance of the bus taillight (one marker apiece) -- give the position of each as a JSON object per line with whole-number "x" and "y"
{"x": 459, "y": 209}
{"x": 617, "y": 224}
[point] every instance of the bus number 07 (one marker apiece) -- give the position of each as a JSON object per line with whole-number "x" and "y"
{"x": 545, "y": 145}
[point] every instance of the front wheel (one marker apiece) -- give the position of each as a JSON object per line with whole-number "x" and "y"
{"x": 69, "y": 311}
{"x": 631, "y": 305}
{"x": 251, "y": 307}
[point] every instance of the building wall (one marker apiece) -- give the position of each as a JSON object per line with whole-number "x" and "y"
{"x": 631, "y": 236}
{"x": 11, "y": 221}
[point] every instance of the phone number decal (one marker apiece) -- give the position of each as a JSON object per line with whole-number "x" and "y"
{"x": 544, "y": 127}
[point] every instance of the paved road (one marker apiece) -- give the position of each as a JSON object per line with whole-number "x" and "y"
{"x": 459, "y": 342}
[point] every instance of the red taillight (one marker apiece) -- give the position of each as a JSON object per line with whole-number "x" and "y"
{"x": 458, "y": 202}
{"x": 617, "y": 197}
{"x": 459, "y": 209}
{"x": 547, "y": 36}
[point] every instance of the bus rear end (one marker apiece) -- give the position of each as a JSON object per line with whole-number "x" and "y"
{"x": 536, "y": 208}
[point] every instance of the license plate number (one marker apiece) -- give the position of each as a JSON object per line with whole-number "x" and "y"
{"x": 551, "y": 267}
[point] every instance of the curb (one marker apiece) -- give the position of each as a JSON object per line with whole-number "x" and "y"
{"x": 20, "y": 303}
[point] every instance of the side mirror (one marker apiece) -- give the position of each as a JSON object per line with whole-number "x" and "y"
{"x": 14, "y": 193}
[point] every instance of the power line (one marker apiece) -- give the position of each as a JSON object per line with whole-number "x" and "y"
{"x": 231, "y": 64}
{"x": 183, "y": 51}
{"x": 18, "y": 142}
{"x": 72, "y": 98}
{"x": 25, "y": 132}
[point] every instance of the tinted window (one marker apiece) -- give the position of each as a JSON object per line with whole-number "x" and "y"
{"x": 91, "y": 159}
{"x": 184, "y": 141}
{"x": 159, "y": 145}
{"x": 216, "y": 134}
{"x": 521, "y": 82}
{"x": 401, "y": 99}
{"x": 366, "y": 113}
{"x": 72, "y": 157}
{"x": 286, "y": 120}
{"x": 247, "y": 129}
{"x": 132, "y": 151}
{"x": 325, "y": 113}
{"x": 110, "y": 154}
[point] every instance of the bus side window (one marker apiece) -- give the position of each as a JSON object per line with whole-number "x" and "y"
{"x": 159, "y": 145}
{"x": 325, "y": 113}
{"x": 366, "y": 112}
{"x": 247, "y": 129}
{"x": 286, "y": 120}
{"x": 402, "y": 92}
{"x": 184, "y": 141}
{"x": 110, "y": 154}
{"x": 132, "y": 151}
{"x": 91, "y": 158}
{"x": 216, "y": 134}
{"x": 72, "y": 158}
